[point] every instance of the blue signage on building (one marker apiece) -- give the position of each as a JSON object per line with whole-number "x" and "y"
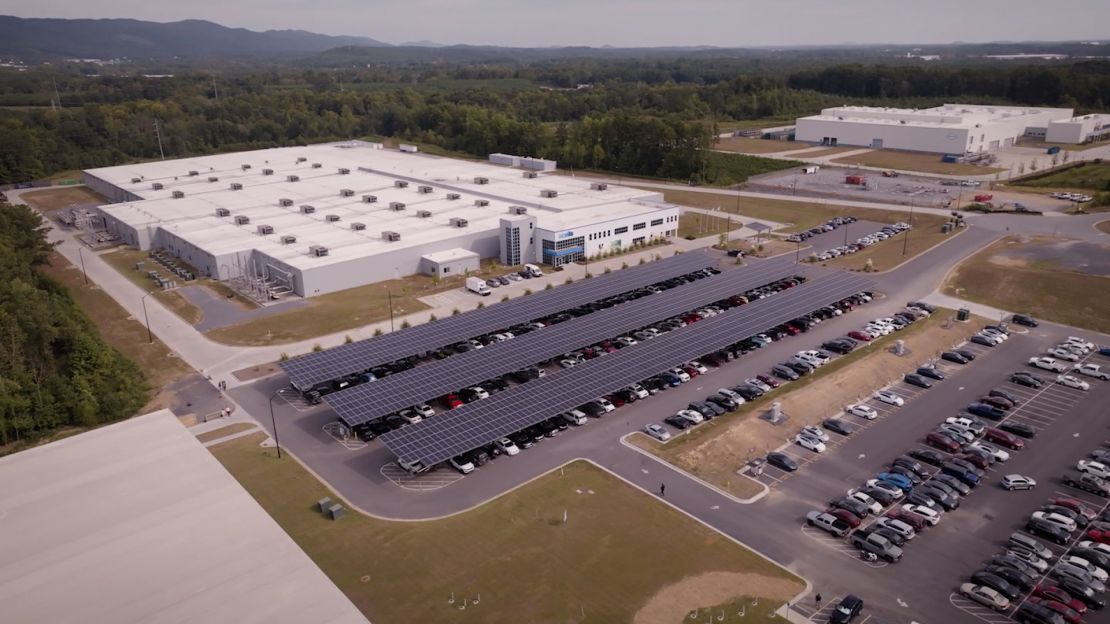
{"x": 567, "y": 234}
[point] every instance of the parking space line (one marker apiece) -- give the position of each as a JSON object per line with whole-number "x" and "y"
{"x": 840, "y": 546}
{"x": 976, "y": 610}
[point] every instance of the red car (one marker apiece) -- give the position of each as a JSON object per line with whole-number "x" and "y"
{"x": 1076, "y": 506}
{"x": 792, "y": 330}
{"x": 451, "y": 400}
{"x": 1048, "y": 591}
{"x": 616, "y": 400}
{"x": 914, "y": 520}
{"x": 1098, "y": 535}
{"x": 769, "y": 380}
{"x": 858, "y": 335}
{"x": 941, "y": 442}
{"x": 691, "y": 371}
{"x": 843, "y": 514}
{"x": 976, "y": 460}
{"x": 1070, "y": 615}
{"x": 1003, "y": 438}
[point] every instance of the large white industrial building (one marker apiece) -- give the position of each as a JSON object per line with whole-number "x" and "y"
{"x": 948, "y": 129}
{"x": 323, "y": 218}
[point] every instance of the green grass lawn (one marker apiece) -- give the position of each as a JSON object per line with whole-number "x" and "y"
{"x": 745, "y": 145}
{"x": 699, "y": 225}
{"x": 1090, "y": 176}
{"x": 913, "y": 161}
{"x": 618, "y": 549}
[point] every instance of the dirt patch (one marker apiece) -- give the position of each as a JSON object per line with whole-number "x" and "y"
{"x": 223, "y": 432}
{"x": 1103, "y": 226}
{"x": 745, "y": 145}
{"x": 913, "y": 161}
{"x": 674, "y": 602}
{"x": 48, "y": 200}
{"x": 256, "y": 372}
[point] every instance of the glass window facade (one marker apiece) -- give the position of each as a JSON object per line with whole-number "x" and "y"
{"x": 565, "y": 251}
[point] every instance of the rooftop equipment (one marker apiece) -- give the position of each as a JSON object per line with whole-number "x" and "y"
{"x": 244, "y": 167}
{"x": 285, "y": 202}
{"x": 396, "y": 206}
{"x": 599, "y": 186}
{"x": 178, "y": 194}
{"x": 223, "y": 212}
{"x": 332, "y": 218}
{"x": 453, "y": 196}
{"x": 288, "y": 239}
{"x": 392, "y": 237}
{"x": 369, "y": 199}
{"x": 293, "y": 178}
{"x": 459, "y": 223}
{"x": 236, "y": 186}
{"x": 157, "y": 186}
{"x": 193, "y": 174}
{"x": 481, "y": 202}
{"x": 213, "y": 179}
{"x": 265, "y": 229}
{"x": 517, "y": 210}
{"x": 308, "y": 209}
{"x": 242, "y": 220}
{"x": 481, "y": 180}
{"x": 424, "y": 189}
{"x": 356, "y": 226}
{"x": 423, "y": 214}
{"x": 267, "y": 172}
{"x": 549, "y": 193}
{"x": 136, "y": 180}
{"x": 346, "y": 193}
{"x": 400, "y": 184}
{"x": 316, "y": 165}
{"x": 318, "y": 250}
{"x": 344, "y": 171}
{"x": 530, "y": 174}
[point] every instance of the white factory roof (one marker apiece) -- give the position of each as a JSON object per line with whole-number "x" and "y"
{"x": 449, "y": 255}
{"x": 371, "y": 172}
{"x": 946, "y": 116}
{"x": 138, "y": 522}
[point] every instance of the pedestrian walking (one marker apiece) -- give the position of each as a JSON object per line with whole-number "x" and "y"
{"x": 818, "y": 597}
{"x": 662, "y": 489}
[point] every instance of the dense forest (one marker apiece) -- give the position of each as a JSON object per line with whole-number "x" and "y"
{"x": 54, "y": 369}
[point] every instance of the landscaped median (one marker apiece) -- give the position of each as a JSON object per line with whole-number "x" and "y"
{"x": 716, "y": 450}
{"x": 576, "y": 545}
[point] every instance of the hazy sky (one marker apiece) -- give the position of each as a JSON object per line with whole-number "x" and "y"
{"x": 625, "y": 22}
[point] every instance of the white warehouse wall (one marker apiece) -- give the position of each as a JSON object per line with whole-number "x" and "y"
{"x": 894, "y": 136}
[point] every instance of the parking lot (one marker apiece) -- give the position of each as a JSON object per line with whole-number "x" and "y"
{"x": 830, "y": 181}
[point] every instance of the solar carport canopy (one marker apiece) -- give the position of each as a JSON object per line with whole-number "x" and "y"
{"x": 365, "y": 402}
{"x": 318, "y": 367}
{"x": 470, "y": 426}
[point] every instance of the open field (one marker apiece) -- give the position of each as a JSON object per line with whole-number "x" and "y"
{"x": 51, "y": 199}
{"x": 889, "y": 253}
{"x": 913, "y": 161}
{"x": 514, "y": 552}
{"x": 1045, "y": 288}
{"x": 744, "y": 124}
{"x": 753, "y": 146}
{"x": 715, "y": 450}
{"x": 697, "y": 225}
{"x": 1087, "y": 176}
{"x": 223, "y": 432}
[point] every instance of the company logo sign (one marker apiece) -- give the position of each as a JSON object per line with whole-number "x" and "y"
{"x": 567, "y": 234}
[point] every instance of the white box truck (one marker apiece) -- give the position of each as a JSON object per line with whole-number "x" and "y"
{"x": 478, "y": 285}
{"x": 533, "y": 270}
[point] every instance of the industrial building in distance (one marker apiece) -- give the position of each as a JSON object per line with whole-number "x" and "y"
{"x": 317, "y": 219}
{"x": 948, "y": 129}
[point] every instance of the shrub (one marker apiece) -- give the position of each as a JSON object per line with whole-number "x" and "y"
{"x": 317, "y": 347}
{"x": 433, "y": 317}
{"x": 481, "y": 304}
{"x": 608, "y": 270}
{"x": 527, "y": 291}
{"x": 378, "y": 332}
{"x": 455, "y": 312}
{"x": 505, "y": 298}
{"x": 405, "y": 325}
{"x": 348, "y": 339}
{"x": 284, "y": 357}
{"x": 548, "y": 287}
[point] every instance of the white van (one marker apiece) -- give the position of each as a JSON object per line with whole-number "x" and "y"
{"x": 533, "y": 270}
{"x": 477, "y": 285}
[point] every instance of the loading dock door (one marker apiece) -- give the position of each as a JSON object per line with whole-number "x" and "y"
{"x": 877, "y": 143}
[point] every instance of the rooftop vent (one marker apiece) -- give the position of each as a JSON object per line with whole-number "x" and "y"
{"x": 459, "y": 223}
{"x": 424, "y": 189}
{"x": 356, "y": 226}
{"x": 346, "y": 193}
{"x": 392, "y": 237}
{"x": 178, "y": 194}
{"x": 301, "y": 159}
{"x": 529, "y": 174}
{"x": 518, "y": 210}
{"x": 293, "y": 178}
{"x": 599, "y": 186}
{"x": 244, "y": 167}
{"x": 481, "y": 180}
{"x": 136, "y": 180}
{"x": 318, "y": 251}
{"x": 193, "y": 174}
{"x": 236, "y": 186}
{"x": 481, "y": 202}
{"x": 369, "y": 199}
{"x": 267, "y": 172}
{"x": 223, "y": 212}
{"x": 308, "y": 209}
{"x": 285, "y": 203}
{"x": 213, "y": 179}
{"x": 453, "y": 196}
{"x": 423, "y": 214}
{"x": 242, "y": 220}
{"x": 288, "y": 239}
{"x": 332, "y": 218}
{"x": 398, "y": 206}
{"x": 316, "y": 165}
{"x": 157, "y": 186}
{"x": 344, "y": 171}
{"x": 400, "y": 184}
{"x": 265, "y": 229}
{"x": 549, "y": 193}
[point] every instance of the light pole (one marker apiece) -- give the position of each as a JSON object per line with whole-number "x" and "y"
{"x": 81, "y": 255}
{"x": 149, "y": 334}
{"x": 273, "y": 421}
{"x": 798, "y": 251}
{"x": 390, "y": 294}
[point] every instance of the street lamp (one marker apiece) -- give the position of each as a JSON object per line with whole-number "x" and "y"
{"x": 146, "y": 317}
{"x": 81, "y": 255}
{"x": 273, "y": 421}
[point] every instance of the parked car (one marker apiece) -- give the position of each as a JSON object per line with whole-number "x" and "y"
{"x": 657, "y": 432}
{"x": 985, "y": 596}
{"x": 837, "y": 426}
{"x": 782, "y": 461}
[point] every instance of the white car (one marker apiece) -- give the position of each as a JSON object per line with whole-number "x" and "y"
{"x": 863, "y": 411}
{"x": 1063, "y": 522}
{"x": 1099, "y": 546}
{"x": 897, "y": 526}
{"x": 809, "y": 442}
{"x": 958, "y": 432}
{"x": 682, "y": 375}
{"x": 816, "y": 432}
{"x": 1091, "y": 568}
{"x": 878, "y": 330}
{"x": 1018, "y": 482}
{"x": 507, "y": 447}
{"x": 462, "y": 464}
{"x": 725, "y": 392}
{"x": 657, "y": 432}
{"x": 929, "y": 515}
{"x": 974, "y": 425}
{"x": 1098, "y": 469}
{"x": 1091, "y": 370}
{"x": 758, "y": 384}
{"x": 894, "y": 491}
{"x": 985, "y": 596}
{"x": 424, "y": 410}
{"x": 605, "y": 404}
{"x": 1061, "y": 353}
{"x": 995, "y": 452}
{"x": 691, "y": 416}
{"x": 569, "y": 363}
{"x": 1029, "y": 557}
{"x": 698, "y": 366}
{"x": 873, "y": 505}
{"x": 888, "y": 397}
{"x": 1070, "y": 347}
{"x": 1048, "y": 364}
{"x": 479, "y": 392}
{"x": 1079, "y": 341}
{"x": 1071, "y": 381}
{"x": 638, "y": 391}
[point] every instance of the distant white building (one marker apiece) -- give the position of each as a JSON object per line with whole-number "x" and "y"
{"x": 1082, "y": 129}
{"x": 947, "y": 129}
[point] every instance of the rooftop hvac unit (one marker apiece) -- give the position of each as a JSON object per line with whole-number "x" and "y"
{"x": 369, "y": 199}
{"x": 344, "y": 171}
{"x": 157, "y": 186}
{"x": 453, "y": 196}
{"x": 530, "y": 174}
{"x": 288, "y": 239}
{"x": 392, "y": 237}
{"x": 400, "y": 184}
{"x": 178, "y": 194}
{"x": 136, "y": 180}
{"x": 518, "y": 210}
{"x": 423, "y": 214}
{"x": 346, "y": 193}
{"x": 481, "y": 202}
{"x": 285, "y": 203}
{"x": 318, "y": 251}
{"x": 424, "y": 189}
{"x": 213, "y": 179}
{"x": 301, "y": 159}
{"x": 459, "y": 223}
{"x": 358, "y": 227}
{"x": 549, "y": 193}
{"x": 332, "y": 218}
{"x": 316, "y": 165}
{"x": 481, "y": 180}
{"x": 308, "y": 209}
{"x": 398, "y": 206}
{"x": 223, "y": 212}
{"x": 236, "y": 186}
{"x": 193, "y": 174}
{"x": 267, "y": 172}
{"x": 244, "y": 167}
{"x": 293, "y": 178}
{"x": 242, "y": 220}
{"x": 265, "y": 229}
{"x": 599, "y": 186}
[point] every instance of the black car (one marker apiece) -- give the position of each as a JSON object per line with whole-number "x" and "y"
{"x": 1021, "y": 319}
{"x": 917, "y": 380}
{"x": 1010, "y": 561}
{"x": 986, "y": 411}
{"x": 1012, "y": 576}
{"x": 929, "y": 456}
{"x": 908, "y": 463}
{"x": 996, "y": 401}
{"x": 782, "y": 461}
{"x": 980, "y": 339}
{"x": 968, "y": 355}
{"x": 930, "y": 372}
{"x": 1005, "y": 395}
{"x": 1047, "y": 530}
{"x": 1080, "y": 591}
{"x": 846, "y": 610}
{"x": 881, "y": 495}
{"x": 723, "y": 401}
{"x": 940, "y": 495}
{"x": 782, "y": 371}
{"x": 558, "y": 422}
{"x": 593, "y": 409}
{"x": 677, "y": 422}
{"x": 952, "y": 482}
{"x": 1031, "y": 613}
{"x": 838, "y": 426}
{"x": 837, "y": 346}
{"x": 798, "y": 367}
{"x": 538, "y": 433}
{"x": 521, "y": 440}
{"x": 1025, "y": 380}
{"x": 394, "y": 421}
{"x": 924, "y": 306}
{"x": 952, "y": 356}
{"x": 852, "y": 505}
{"x": 1019, "y": 429}
{"x": 918, "y": 497}
{"x": 996, "y": 583}
{"x": 708, "y": 410}
{"x": 750, "y": 393}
